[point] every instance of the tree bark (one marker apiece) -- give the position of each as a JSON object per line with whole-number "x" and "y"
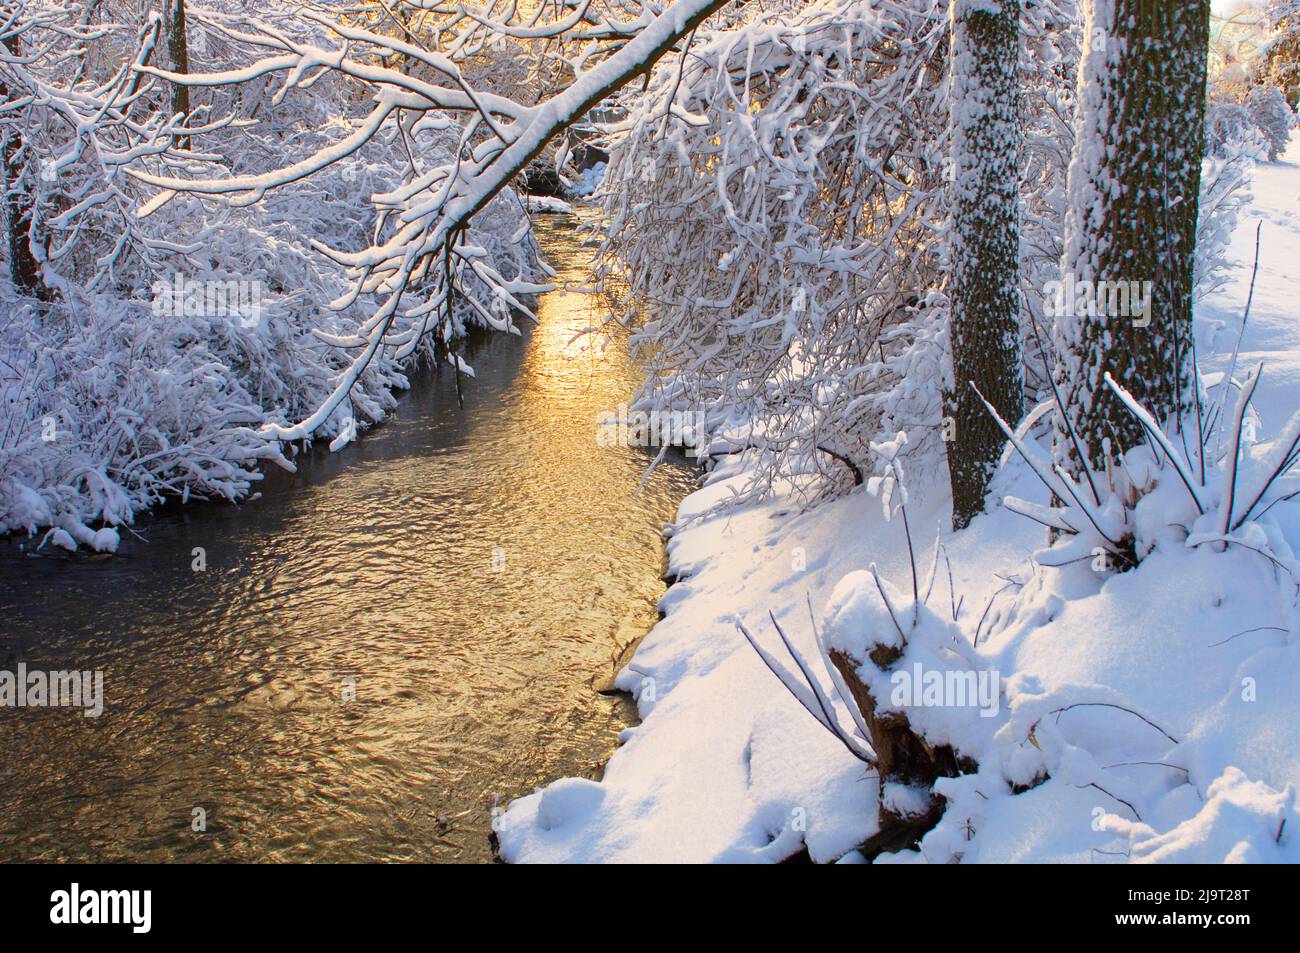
{"x": 23, "y": 267}
{"x": 985, "y": 291}
{"x": 1134, "y": 184}
{"x": 179, "y": 52}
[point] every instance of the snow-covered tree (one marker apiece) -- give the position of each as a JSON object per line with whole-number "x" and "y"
{"x": 774, "y": 204}
{"x": 985, "y": 255}
{"x": 1229, "y": 124}
{"x": 423, "y": 266}
{"x": 15, "y": 158}
{"x": 1252, "y": 70}
{"x": 1051, "y": 34}
{"x": 693, "y": 183}
{"x": 178, "y": 55}
{"x": 1131, "y": 231}
{"x": 1280, "y": 63}
{"x": 114, "y": 399}
{"x": 1273, "y": 116}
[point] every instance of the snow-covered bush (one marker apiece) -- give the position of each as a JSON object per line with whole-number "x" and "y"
{"x": 1273, "y": 117}
{"x": 1226, "y": 182}
{"x": 1279, "y": 61}
{"x": 1202, "y": 486}
{"x": 110, "y": 407}
{"x": 1227, "y": 125}
{"x": 773, "y": 208}
{"x": 122, "y": 387}
{"x": 1254, "y": 119}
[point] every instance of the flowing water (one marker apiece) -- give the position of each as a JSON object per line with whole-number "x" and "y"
{"x": 380, "y": 648}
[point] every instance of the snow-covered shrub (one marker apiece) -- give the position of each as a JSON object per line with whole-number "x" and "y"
{"x": 1278, "y": 63}
{"x": 773, "y": 208}
{"x": 116, "y": 395}
{"x": 1199, "y": 487}
{"x": 1259, "y": 120}
{"x": 1227, "y": 125}
{"x": 110, "y": 407}
{"x": 1226, "y": 182}
{"x": 1273, "y": 117}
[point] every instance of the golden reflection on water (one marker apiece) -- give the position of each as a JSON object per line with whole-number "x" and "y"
{"x": 381, "y": 647}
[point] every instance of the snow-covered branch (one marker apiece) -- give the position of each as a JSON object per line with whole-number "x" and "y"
{"x": 424, "y": 255}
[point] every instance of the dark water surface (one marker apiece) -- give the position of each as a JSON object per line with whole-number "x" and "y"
{"x": 377, "y": 573}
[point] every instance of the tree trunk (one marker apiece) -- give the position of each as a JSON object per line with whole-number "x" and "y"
{"x": 178, "y": 51}
{"x": 985, "y": 290}
{"x": 1134, "y": 183}
{"x": 23, "y": 267}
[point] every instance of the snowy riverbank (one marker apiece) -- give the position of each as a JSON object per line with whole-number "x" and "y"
{"x": 1149, "y": 715}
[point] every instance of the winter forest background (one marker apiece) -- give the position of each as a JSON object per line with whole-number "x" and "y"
{"x": 959, "y": 288}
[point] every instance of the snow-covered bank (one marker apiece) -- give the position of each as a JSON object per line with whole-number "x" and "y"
{"x": 1148, "y": 716}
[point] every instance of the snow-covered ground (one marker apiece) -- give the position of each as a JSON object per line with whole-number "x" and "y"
{"x": 1150, "y": 715}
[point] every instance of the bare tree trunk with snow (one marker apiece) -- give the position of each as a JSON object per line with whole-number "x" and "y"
{"x": 985, "y": 290}
{"x": 23, "y": 267}
{"x": 179, "y": 52}
{"x": 1131, "y": 227}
